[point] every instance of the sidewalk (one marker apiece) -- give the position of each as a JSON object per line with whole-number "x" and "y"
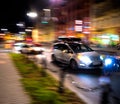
{"x": 11, "y": 90}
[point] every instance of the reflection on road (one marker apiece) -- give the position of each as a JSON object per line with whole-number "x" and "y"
{"x": 85, "y": 80}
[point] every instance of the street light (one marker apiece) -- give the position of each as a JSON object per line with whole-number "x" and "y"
{"x": 32, "y": 14}
{"x": 20, "y": 24}
{"x": 28, "y": 30}
{"x": 5, "y": 30}
{"x": 20, "y": 27}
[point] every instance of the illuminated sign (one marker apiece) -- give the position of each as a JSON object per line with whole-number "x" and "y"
{"x": 78, "y": 28}
{"x": 78, "y": 22}
{"x": 78, "y": 25}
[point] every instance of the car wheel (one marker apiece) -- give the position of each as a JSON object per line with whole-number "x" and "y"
{"x": 73, "y": 65}
{"x": 53, "y": 58}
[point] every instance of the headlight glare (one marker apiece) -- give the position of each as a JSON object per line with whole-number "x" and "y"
{"x": 108, "y": 61}
{"x": 101, "y": 57}
{"x": 84, "y": 59}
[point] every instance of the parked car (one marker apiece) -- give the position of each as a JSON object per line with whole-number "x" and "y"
{"x": 76, "y": 55}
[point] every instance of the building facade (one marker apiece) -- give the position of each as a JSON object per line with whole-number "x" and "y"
{"x": 73, "y": 18}
{"x": 105, "y": 21}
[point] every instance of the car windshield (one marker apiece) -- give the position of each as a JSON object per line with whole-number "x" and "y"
{"x": 70, "y": 39}
{"x": 77, "y": 48}
{"x": 17, "y": 45}
{"x": 25, "y": 46}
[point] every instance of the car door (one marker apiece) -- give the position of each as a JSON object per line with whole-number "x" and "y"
{"x": 24, "y": 49}
{"x": 58, "y": 52}
{"x": 66, "y": 54}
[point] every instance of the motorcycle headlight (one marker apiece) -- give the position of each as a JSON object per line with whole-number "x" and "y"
{"x": 108, "y": 61}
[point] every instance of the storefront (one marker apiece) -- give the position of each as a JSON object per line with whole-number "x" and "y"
{"x": 106, "y": 37}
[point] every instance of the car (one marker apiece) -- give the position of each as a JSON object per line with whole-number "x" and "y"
{"x": 16, "y": 48}
{"x": 26, "y": 49}
{"x": 32, "y": 49}
{"x": 76, "y": 55}
{"x": 37, "y": 48}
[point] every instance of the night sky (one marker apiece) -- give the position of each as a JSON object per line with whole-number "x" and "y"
{"x": 14, "y": 11}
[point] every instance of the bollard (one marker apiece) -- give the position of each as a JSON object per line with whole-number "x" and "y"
{"x": 44, "y": 61}
{"x": 44, "y": 64}
{"x": 41, "y": 59}
{"x": 105, "y": 94}
{"x": 105, "y": 84}
{"x": 62, "y": 79}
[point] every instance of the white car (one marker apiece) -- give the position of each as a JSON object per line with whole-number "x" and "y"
{"x": 32, "y": 49}
{"x": 76, "y": 55}
{"x": 17, "y": 47}
{"x": 25, "y": 49}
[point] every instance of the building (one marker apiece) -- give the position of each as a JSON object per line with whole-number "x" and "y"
{"x": 73, "y": 18}
{"x": 105, "y": 21}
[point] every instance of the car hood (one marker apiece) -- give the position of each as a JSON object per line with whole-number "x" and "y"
{"x": 89, "y": 54}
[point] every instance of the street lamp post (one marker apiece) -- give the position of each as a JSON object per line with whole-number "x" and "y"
{"x": 21, "y": 27}
{"x": 33, "y": 15}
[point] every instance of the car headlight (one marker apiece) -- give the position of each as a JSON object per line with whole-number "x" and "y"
{"x": 102, "y": 57}
{"x": 84, "y": 59}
